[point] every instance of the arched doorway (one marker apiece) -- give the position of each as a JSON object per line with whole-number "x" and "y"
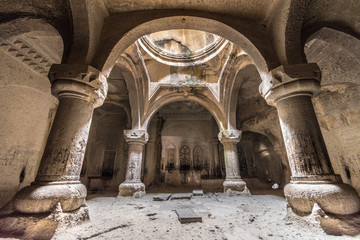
{"x": 185, "y": 140}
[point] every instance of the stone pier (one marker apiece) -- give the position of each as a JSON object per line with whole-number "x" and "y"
{"x": 132, "y": 186}
{"x": 313, "y": 179}
{"x": 233, "y": 181}
{"x": 79, "y": 89}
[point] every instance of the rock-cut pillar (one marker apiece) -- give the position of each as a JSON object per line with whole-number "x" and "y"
{"x": 233, "y": 181}
{"x": 132, "y": 186}
{"x": 313, "y": 179}
{"x": 79, "y": 89}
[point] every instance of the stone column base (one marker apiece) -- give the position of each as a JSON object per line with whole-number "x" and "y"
{"x": 234, "y": 185}
{"x": 135, "y": 189}
{"x": 41, "y": 226}
{"x": 38, "y": 198}
{"x": 332, "y": 197}
{"x": 332, "y": 224}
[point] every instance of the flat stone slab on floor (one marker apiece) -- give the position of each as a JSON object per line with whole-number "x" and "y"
{"x": 198, "y": 192}
{"x": 187, "y": 215}
{"x": 162, "y": 197}
{"x": 181, "y": 196}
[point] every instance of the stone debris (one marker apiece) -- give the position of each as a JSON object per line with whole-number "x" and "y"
{"x": 198, "y": 192}
{"x": 187, "y": 215}
{"x": 162, "y": 197}
{"x": 181, "y": 196}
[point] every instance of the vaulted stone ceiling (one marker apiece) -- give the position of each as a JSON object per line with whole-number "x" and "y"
{"x": 185, "y": 58}
{"x": 182, "y": 64}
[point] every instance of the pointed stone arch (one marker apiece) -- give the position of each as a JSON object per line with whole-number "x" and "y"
{"x": 198, "y": 158}
{"x": 170, "y": 157}
{"x": 185, "y": 157}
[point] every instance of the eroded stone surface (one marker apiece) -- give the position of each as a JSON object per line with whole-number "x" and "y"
{"x": 41, "y": 226}
{"x": 177, "y": 196}
{"x": 187, "y": 215}
{"x": 198, "y": 193}
{"x": 162, "y": 197}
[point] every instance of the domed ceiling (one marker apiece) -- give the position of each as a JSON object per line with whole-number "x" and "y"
{"x": 183, "y": 41}
{"x": 184, "y": 57}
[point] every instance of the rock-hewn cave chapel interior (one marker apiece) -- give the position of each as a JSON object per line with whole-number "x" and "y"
{"x": 137, "y": 119}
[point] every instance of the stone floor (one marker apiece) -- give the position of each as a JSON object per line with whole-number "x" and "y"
{"x": 223, "y": 217}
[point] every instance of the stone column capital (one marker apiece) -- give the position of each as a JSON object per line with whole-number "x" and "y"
{"x": 136, "y": 136}
{"x": 229, "y": 136}
{"x": 78, "y": 81}
{"x": 291, "y": 80}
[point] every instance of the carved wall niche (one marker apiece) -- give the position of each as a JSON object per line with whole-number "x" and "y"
{"x": 185, "y": 158}
{"x": 198, "y": 155}
{"x": 170, "y": 157}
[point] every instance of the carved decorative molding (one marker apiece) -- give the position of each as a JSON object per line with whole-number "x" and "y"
{"x": 25, "y": 54}
{"x": 185, "y": 156}
{"x": 136, "y": 135}
{"x": 291, "y": 80}
{"x": 229, "y": 136}
{"x": 80, "y": 81}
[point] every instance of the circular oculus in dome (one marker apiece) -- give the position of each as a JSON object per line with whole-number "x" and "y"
{"x": 182, "y": 47}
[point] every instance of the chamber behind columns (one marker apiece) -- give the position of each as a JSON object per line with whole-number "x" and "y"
{"x": 260, "y": 165}
{"x": 106, "y": 154}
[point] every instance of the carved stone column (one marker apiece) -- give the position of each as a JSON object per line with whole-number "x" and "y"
{"x": 313, "y": 179}
{"x": 79, "y": 89}
{"x": 233, "y": 181}
{"x": 136, "y": 139}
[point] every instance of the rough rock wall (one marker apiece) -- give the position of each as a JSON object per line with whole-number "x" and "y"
{"x": 27, "y": 110}
{"x": 338, "y": 104}
{"x": 339, "y": 114}
{"x": 259, "y": 159}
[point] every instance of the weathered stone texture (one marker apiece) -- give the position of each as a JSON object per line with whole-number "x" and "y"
{"x": 187, "y": 215}
{"x": 337, "y": 104}
{"x": 28, "y": 109}
{"x": 186, "y": 79}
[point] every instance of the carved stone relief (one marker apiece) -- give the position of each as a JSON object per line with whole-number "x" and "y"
{"x": 185, "y": 158}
